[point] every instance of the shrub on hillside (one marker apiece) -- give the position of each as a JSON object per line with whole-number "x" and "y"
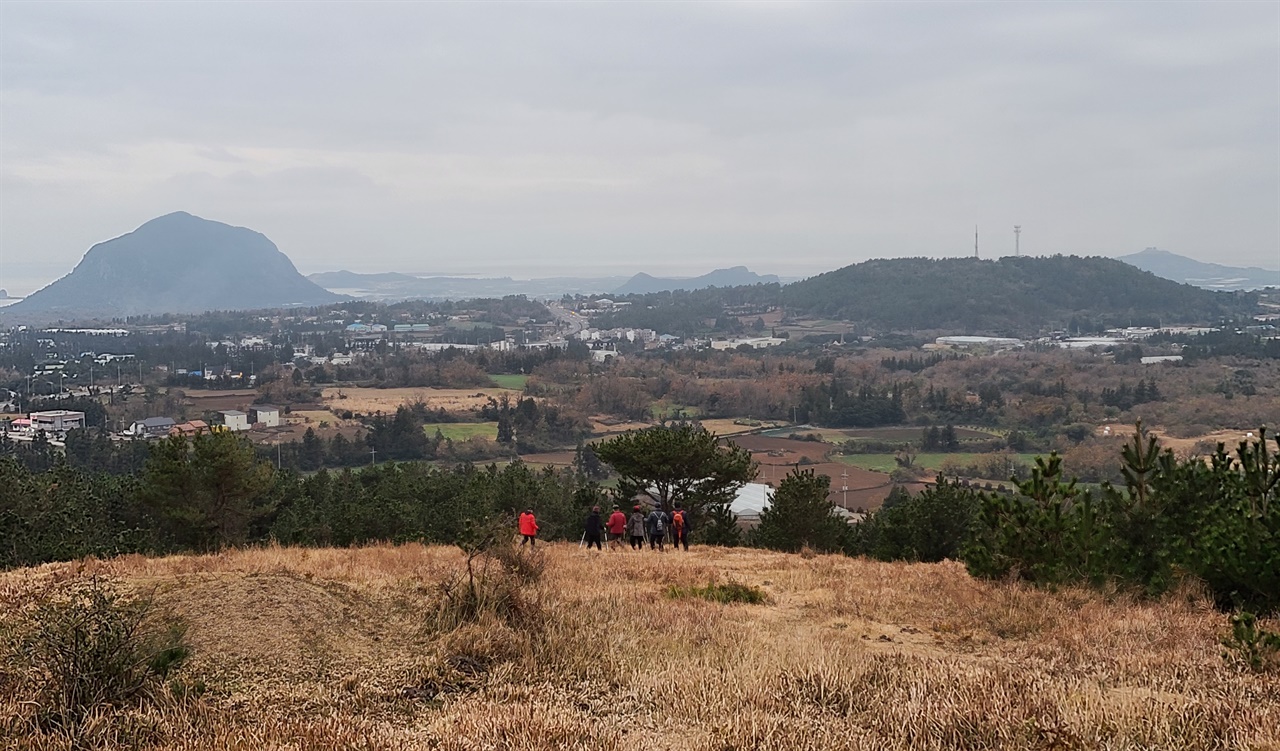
{"x": 800, "y": 516}
{"x": 87, "y": 644}
{"x": 1250, "y": 646}
{"x": 931, "y": 526}
{"x": 1218, "y": 521}
{"x": 495, "y": 582}
{"x": 732, "y": 592}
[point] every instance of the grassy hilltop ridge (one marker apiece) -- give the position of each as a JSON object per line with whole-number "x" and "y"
{"x": 330, "y": 648}
{"x": 1012, "y": 293}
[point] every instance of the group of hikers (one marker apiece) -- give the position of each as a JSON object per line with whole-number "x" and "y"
{"x": 656, "y": 528}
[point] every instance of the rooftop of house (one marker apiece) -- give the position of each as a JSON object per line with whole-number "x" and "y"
{"x": 155, "y": 422}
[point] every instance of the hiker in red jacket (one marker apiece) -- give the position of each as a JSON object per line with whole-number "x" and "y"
{"x": 528, "y": 528}
{"x": 617, "y": 526}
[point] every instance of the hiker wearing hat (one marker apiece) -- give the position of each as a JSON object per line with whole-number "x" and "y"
{"x": 635, "y": 528}
{"x": 656, "y": 525}
{"x": 617, "y": 526}
{"x": 594, "y": 526}
{"x": 528, "y": 528}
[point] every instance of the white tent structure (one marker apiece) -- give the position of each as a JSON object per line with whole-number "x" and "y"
{"x": 752, "y": 498}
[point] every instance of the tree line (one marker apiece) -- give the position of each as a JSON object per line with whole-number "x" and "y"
{"x": 1216, "y": 521}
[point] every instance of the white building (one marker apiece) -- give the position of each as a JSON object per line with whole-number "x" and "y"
{"x": 151, "y": 427}
{"x": 1085, "y": 342}
{"x": 967, "y": 342}
{"x": 759, "y": 342}
{"x": 235, "y": 420}
{"x": 265, "y": 415}
{"x": 56, "y": 421}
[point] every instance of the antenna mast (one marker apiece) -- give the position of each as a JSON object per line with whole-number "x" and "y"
{"x": 1017, "y": 237}
{"x": 975, "y": 241}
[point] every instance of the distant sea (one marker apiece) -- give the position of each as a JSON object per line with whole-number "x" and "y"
{"x": 19, "y": 288}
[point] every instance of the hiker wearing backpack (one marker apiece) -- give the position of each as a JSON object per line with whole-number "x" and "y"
{"x": 635, "y": 528}
{"x": 617, "y": 527}
{"x": 528, "y": 529}
{"x": 657, "y": 524}
{"x": 680, "y": 528}
{"x": 594, "y": 526}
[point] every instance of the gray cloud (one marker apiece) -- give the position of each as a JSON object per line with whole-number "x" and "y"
{"x": 545, "y": 138}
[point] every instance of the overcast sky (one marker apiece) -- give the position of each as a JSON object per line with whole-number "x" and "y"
{"x": 542, "y": 139}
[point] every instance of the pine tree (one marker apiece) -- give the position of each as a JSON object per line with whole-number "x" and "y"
{"x": 800, "y": 515}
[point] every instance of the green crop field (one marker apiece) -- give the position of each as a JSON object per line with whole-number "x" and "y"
{"x": 663, "y": 409}
{"x": 912, "y": 434}
{"x": 902, "y": 434}
{"x": 461, "y": 431}
{"x": 885, "y": 462}
{"x": 513, "y": 382}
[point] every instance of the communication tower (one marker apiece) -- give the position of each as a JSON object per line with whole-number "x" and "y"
{"x": 1017, "y": 237}
{"x": 975, "y": 241}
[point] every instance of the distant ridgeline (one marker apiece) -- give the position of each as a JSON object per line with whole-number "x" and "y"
{"x": 1017, "y": 295}
{"x": 738, "y": 276}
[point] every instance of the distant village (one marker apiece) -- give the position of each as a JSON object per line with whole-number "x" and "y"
{"x": 306, "y": 340}
{"x": 53, "y": 425}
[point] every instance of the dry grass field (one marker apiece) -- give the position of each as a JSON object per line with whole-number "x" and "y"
{"x": 1187, "y": 445}
{"x": 369, "y": 401}
{"x": 213, "y": 400}
{"x": 336, "y": 649}
{"x": 727, "y": 426}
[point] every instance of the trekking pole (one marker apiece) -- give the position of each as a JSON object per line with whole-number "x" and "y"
{"x": 583, "y": 540}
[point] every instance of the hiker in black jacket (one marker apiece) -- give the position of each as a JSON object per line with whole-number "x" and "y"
{"x": 595, "y": 526}
{"x": 656, "y": 525}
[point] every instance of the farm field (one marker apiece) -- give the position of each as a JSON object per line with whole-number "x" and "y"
{"x": 930, "y": 461}
{"x": 1229, "y": 437}
{"x": 779, "y": 456}
{"x": 462, "y": 431}
{"x": 663, "y": 410}
{"x": 903, "y": 434}
{"x": 212, "y": 400}
{"x": 556, "y": 459}
{"x": 726, "y": 426}
{"x": 331, "y": 649}
{"x": 909, "y": 433}
{"x": 371, "y": 401}
{"x": 514, "y": 382}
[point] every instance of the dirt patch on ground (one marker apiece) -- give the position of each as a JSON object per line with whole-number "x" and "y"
{"x": 603, "y": 425}
{"x": 369, "y": 401}
{"x": 782, "y": 450}
{"x": 1231, "y": 438}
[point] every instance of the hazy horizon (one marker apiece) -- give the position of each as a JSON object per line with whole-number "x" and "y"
{"x": 601, "y": 140}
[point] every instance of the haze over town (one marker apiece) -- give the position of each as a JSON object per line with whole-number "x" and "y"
{"x": 578, "y": 139}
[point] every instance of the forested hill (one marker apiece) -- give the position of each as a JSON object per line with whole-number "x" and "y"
{"x": 1011, "y": 294}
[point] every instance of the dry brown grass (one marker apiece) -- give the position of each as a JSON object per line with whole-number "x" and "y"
{"x": 369, "y": 401}
{"x": 329, "y": 649}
